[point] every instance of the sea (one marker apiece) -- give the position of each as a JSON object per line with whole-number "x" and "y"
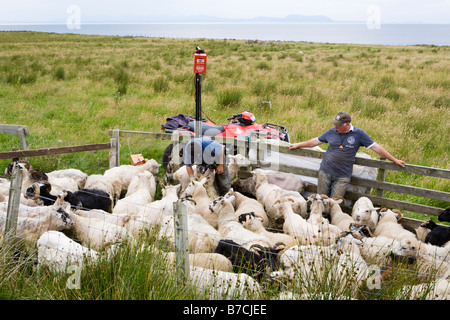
{"x": 345, "y": 33}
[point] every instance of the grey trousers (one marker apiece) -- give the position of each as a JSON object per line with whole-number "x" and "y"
{"x": 331, "y": 186}
{"x": 222, "y": 181}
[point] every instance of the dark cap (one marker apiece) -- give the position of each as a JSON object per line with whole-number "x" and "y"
{"x": 341, "y": 118}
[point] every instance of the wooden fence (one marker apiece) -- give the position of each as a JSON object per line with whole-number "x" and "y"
{"x": 245, "y": 146}
{"x": 380, "y": 185}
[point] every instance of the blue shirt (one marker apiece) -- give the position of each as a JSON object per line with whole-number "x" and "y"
{"x": 210, "y": 153}
{"x": 338, "y": 161}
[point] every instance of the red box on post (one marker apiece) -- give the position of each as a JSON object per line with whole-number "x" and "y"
{"x": 199, "y": 62}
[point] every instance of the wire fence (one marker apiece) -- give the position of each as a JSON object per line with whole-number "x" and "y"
{"x": 135, "y": 225}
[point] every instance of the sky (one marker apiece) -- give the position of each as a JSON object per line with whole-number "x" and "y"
{"x": 388, "y": 11}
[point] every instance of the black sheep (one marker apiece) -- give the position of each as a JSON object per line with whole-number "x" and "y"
{"x": 255, "y": 263}
{"x": 438, "y": 236}
{"x": 41, "y": 191}
{"x": 84, "y": 199}
{"x": 445, "y": 215}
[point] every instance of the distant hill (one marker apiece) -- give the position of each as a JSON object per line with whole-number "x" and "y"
{"x": 293, "y": 18}
{"x": 201, "y": 18}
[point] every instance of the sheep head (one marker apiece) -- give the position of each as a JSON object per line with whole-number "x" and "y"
{"x": 429, "y": 224}
{"x": 193, "y": 186}
{"x": 170, "y": 190}
{"x": 222, "y": 205}
{"x": 151, "y": 165}
{"x": 251, "y": 221}
{"x": 387, "y": 214}
{"x": 33, "y": 192}
{"x": 259, "y": 177}
{"x": 64, "y": 222}
{"x": 365, "y": 215}
{"x": 239, "y": 160}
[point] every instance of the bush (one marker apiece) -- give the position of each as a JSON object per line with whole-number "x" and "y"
{"x": 60, "y": 73}
{"x": 229, "y": 98}
{"x": 263, "y": 66}
{"x": 160, "y": 84}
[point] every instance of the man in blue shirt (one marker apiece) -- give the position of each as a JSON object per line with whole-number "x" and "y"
{"x": 205, "y": 152}
{"x": 343, "y": 141}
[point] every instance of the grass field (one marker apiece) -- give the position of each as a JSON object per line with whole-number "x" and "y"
{"x": 71, "y": 89}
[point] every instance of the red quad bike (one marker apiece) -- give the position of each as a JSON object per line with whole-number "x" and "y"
{"x": 242, "y": 124}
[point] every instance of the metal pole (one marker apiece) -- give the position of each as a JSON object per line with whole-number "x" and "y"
{"x": 181, "y": 241}
{"x": 198, "y": 105}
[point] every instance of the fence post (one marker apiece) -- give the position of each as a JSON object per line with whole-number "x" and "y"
{"x": 14, "y": 200}
{"x": 181, "y": 241}
{"x": 21, "y": 133}
{"x": 114, "y": 153}
{"x": 381, "y": 176}
{"x": 176, "y": 150}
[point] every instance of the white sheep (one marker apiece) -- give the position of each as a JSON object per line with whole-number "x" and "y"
{"x": 152, "y": 215}
{"x": 122, "y": 175}
{"x": 202, "y": 237}
{"x": 268, "y": 194}
{"x": 118, "y": 219}
{"x": 98, "y": 234}
{"x": 253, "y": 223}
{"x": 327, "y": 230}
{"x": 47, "y": 218}
{"x": 381, "y": 250}
{"x": 181, "y": 176}
{"x": 223, "y": 285}
{"x": 101, "y": 182}
{"x": 295, "y": 225}
{"x": 197, "y": 191}
{"x": 235, "y": 162}
{"x": 210, "y": 185}
{"x": 57, "y": 251}
{"x": 204, "y": 260}
{"x": 438, "y": 289}
{"x": 230, "y": 228}
{"x": 432, "y": 259}
{"x": 335, "y": 266}
{"x": 363, "y": 212}
{"x": 388, "y": 226}
{"x": 243, "y": 204}
{"x": 162, "y": 206}
{"x": 76, "y": 175}
{"x": 337, "y": 216}
{"x": 141, "y": 191}
{"x": 60, "y": 180}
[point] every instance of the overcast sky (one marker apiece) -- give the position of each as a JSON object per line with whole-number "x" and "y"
{"x": 389, "y": 11}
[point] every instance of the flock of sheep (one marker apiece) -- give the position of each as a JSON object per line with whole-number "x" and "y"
{"x": 270, "y": 230}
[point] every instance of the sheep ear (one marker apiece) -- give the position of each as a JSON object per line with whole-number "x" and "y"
{"x": 257, "y": 216}
{"x": 203, "y": 181}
